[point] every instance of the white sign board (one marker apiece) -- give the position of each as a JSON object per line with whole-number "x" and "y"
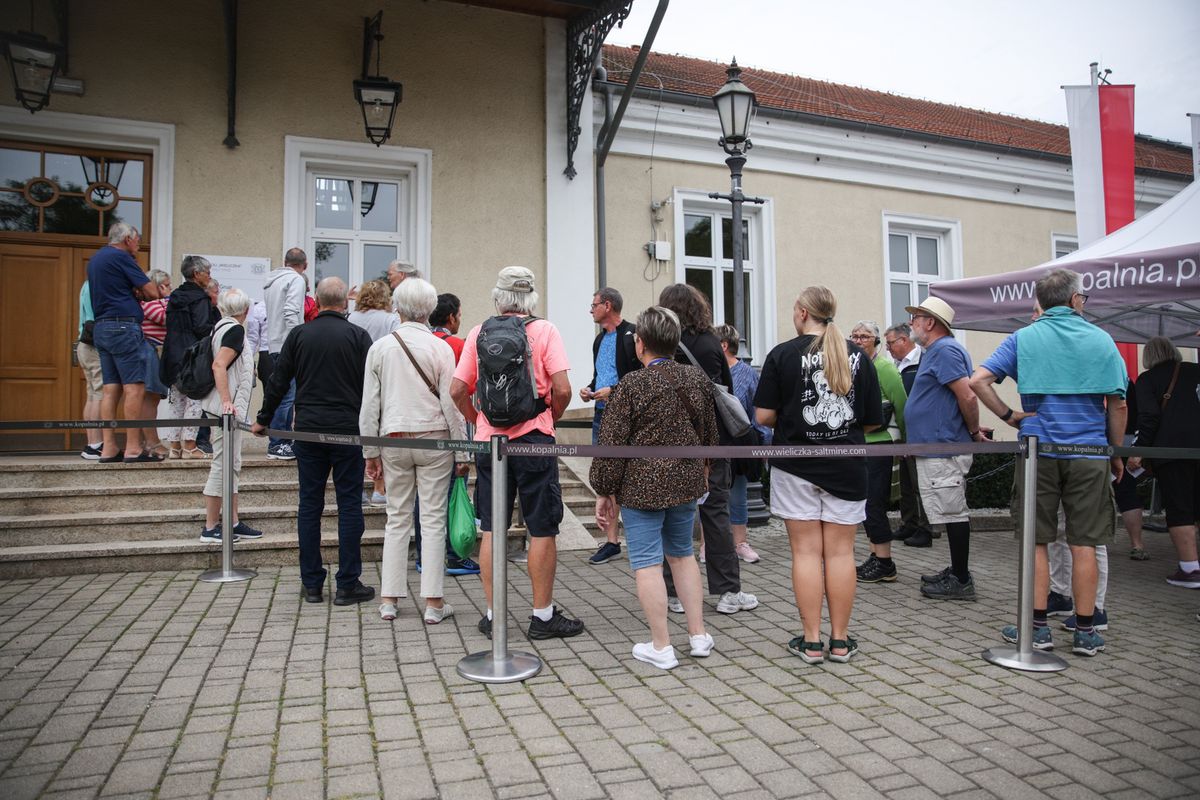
{"x": 244, "y": 272}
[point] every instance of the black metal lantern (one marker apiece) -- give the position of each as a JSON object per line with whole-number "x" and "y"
{"x": 103, "y": 173}
{"x": 34, "y": 62}
{"x": 376, "y": 95}
{"x": 735, "y": 107}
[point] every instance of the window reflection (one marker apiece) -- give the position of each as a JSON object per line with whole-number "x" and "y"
{"x": 334, "y": 204}
{"x": 697, "y": 235}
{"x": 18, "y": 166}
{"x": 381, "y": 213}
{"x": 332, "y": 258}
{"x": 376, "y": 258}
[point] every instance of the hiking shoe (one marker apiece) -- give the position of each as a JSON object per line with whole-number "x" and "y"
{"x": 902, "y": 533}
{"x": 663, "y": 659}
{"x": 847, "y": 644}
{"x": 607, "y": 552}
{"x": 702, "y": 645}
{"x": 871, "y": 559}
{"x": 459, "y": 566}
{"x": 733, "y": 602}
{"x": 283, "y": 452}
{"x": 1042, "y": 639}
{"x": 1188, "y": 580}
{"x": 674, "y": 605}
{"x": 809, "y": 652}
{"x": 746, "y": 553}
{"x": 1087, "y": 643}
{"x": 213, "y": 536}
{"x": 950, "y": 588}
{"x": 244, "y": 531}
{"x": 557, "y": 627}
{"x": 1099, "y": 621}
{"x": 350, "y": 595}
{"x": 920, "y": 539}
{"x": 435, "y": 615}
{"x": 935, "y": 577}
{"x": 1135, "y": 553}
{"x": 312, "y": 594}
{"x": 485, "y": 626}
{"x": 877, "y": 572}
{"x": 1059, "y": 605}
{"x": 90, "y": 453}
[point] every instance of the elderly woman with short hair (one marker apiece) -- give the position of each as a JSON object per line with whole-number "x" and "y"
{"x": 665, "y": 404}
{"x": 190, "y": 317}
{"x": 373, "y": 310}
{"x": 406, "y": 395}
{"x": 233, "y": 370}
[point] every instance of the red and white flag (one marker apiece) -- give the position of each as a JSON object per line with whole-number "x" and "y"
{"x": 1100, "y": 119}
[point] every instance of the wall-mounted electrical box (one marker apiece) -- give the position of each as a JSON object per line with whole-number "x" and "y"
{"x": 660, "y": 251}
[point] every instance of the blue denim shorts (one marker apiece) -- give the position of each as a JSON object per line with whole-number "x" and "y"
{"x": 738, "y": 514}
{"x": 153, "y": 382}
{"x": 651, "y": 534}
{"x": 122, "y": 356}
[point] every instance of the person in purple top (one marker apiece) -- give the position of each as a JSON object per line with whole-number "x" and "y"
{"x": 117, "y": 286}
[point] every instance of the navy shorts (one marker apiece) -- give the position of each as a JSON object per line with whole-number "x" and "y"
{"x": 122, "y": 355}
{"x": 533, "y": 479}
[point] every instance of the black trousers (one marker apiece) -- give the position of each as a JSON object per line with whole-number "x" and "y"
{"x": 879, "y": 495}
{"x": 912, "y": 513}
{"x": 721, "y": 561}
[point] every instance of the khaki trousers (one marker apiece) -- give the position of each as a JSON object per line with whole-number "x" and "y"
{"x": 409, "y": 475}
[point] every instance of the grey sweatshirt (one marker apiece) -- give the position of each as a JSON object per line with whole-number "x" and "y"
{"x": 284, "y": 297}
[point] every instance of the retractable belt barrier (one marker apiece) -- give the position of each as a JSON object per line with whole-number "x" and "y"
{"x": 500, "y": 665}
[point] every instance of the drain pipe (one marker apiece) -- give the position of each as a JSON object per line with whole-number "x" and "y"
{"x": 601, "y": 76}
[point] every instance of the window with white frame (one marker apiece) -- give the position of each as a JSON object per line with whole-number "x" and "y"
{"x": 356, "y": 225}
{"x": 708, "y": 266}
{"x": 1062, "y": 244}
{"x": 917, "y": 253}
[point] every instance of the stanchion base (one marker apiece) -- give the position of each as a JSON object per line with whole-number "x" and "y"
{"x": 484, "y": 668}
{"x": 1011, "y": 658}
{"x": 233, "y": 576}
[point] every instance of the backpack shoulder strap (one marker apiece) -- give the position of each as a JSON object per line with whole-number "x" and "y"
{"x": 689, "y": 355}
{"x": 421, "y": 372}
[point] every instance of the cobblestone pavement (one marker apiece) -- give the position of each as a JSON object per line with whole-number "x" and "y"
{"x": 153, "y": 684}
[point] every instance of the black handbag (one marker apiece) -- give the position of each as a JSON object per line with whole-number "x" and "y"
{"x": 88, "y": 334}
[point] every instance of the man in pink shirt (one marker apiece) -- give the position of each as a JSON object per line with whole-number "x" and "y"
{"x": 534, "y": 480}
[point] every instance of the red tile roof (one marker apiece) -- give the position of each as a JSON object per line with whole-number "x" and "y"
{"x": 793, "y": 93}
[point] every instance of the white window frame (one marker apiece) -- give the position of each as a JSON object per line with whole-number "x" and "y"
{"x": 1057, "y": 239}
{"x": 411, "y": 167}
{"x": 355, "y": 237}
{"x": 760, "y": 221}
{"x": 948, "y": 233}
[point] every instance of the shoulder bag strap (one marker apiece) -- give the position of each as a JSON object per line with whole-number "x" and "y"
{"x": 1167, "y": 396}
{"x": 420, "y": 371}
{"x": 689, "y": 355}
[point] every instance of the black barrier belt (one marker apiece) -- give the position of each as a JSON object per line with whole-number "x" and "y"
{"x": 465, "y": 445}
{"x": 1108, "y": 451}
{"x": 761, "y": 451}
{"x": 63, "y": 424}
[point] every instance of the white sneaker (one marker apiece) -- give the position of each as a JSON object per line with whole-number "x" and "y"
{"x": 387, "y": 611}
{"x": 733, "y": 602}
{"x": 435, "y": 615}
{"x": 702, "y": 645}
{"x": 674, "y": 605}
{"x": 746, "y": 553}
{"x": 663, "y": 659}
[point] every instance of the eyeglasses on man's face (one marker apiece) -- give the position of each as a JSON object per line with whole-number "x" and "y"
{"x": 594, "y": 306}
{"x": 1083, "y": 298}
{"x": 861, "y": 337}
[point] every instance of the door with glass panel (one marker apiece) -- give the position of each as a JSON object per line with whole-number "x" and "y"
{"x": 355, "y": 225}
{"x": 708, "y": 266}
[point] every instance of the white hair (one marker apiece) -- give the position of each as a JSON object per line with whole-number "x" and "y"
{"x": 414, "y": 300}
{"x": 514, "y": 302}
{"x": 233, "y": 302}
{"x": 120, "y": 231}
{"x": 868, "y": 325}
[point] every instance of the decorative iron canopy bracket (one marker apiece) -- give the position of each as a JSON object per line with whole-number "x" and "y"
{"x": 585, "y": 37}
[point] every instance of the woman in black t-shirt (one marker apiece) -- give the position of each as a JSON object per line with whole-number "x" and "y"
{"x": 820, "y": 389}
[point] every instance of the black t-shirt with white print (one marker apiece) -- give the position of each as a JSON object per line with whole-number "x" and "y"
{"x": 793, "y": 384}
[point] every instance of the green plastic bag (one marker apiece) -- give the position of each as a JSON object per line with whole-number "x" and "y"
{"x": 460, "y": 519}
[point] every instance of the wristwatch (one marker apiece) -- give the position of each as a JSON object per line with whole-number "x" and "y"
{"x": 1007, "y": 416}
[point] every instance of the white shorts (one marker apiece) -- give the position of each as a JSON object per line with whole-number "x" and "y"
{"x": 796, "y": 498}
{"x": 943, "y": 487}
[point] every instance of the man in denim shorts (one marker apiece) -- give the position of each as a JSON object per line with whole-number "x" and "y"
{"x": 116, "y": 284}
{"x": 534, "y": 480}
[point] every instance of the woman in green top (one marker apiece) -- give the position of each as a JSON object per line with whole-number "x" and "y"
{"x": 879, "y": 565}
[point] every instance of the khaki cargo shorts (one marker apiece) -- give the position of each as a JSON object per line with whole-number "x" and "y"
{"x": 1084, "y": 488}
{"x": 943, "y": 486}
{"x": 89, "y": 362}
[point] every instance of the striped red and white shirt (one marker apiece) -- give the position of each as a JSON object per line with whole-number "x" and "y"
{"x": 154, "y": 320}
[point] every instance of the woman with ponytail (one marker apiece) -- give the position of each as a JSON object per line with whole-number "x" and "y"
{"x": 820, "y": 389}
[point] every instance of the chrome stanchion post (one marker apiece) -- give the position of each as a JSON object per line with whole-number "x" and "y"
{"x": 499, "y": 665}
{"x": 227, "y": 574}
{"x": 1023, "y": 656}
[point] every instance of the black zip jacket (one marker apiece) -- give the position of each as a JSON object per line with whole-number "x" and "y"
{"x": 190, "y": 317}
{"x": 327, "y": 357}
{"x": 627, "y": 360}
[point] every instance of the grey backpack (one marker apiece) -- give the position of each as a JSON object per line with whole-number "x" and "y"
{"x": 506, "y": 386}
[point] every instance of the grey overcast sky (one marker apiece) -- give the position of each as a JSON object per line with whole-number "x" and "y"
{"x": 1009, "y": 56}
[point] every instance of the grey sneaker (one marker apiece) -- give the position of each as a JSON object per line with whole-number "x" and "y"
{"x": 1042, "y": 640}
{"x": 1087, "y": 643}
{"x": 674, "y": 605}
{"x": 733, "y": 602}
{"x": 283, "y": 452}
{"x": 950, "y": 588}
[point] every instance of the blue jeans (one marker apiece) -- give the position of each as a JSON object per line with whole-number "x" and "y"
{"x": 738, "y": 514}
{"x": 314, "y": 462}
{"x": 282, "y": 420}
{"x": 120, "y": 345}
{"x": 651, "y": 534}
{"x": 597, "y": 415}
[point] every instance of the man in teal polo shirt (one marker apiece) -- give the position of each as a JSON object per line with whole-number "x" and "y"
{"x": 1072, "y": 383}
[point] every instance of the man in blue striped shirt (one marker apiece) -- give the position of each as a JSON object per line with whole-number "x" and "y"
{"x": 1072, "y": 383}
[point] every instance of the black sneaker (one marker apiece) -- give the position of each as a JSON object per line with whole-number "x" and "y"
{"x": 875, "y": 571}
{"x": 485, "y": 626}
{"x": 90, "y": 453}
{"x": 920, "y": 539}
{"x": 1059, "y": 605}
{"x": 213, "y": 535}
{"x": 950, "y": 588}
{"x": 607, "y": 552}
{"x": 861, "y": 568}
{"x": 312, "y": 594}
{"x": 460, "y": 566}
{"x": 902, "y": 533}
{"x": 355, "y": 594}
{"x": 244, "y": 531}
{"x": 558, "y": 627}
{"x": 935, "y": 577}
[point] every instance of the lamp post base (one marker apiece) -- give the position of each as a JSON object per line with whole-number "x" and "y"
{"x": 1011, "y": 658}
{"x": 485, "y": 668}
{"x": 232, "y": 576}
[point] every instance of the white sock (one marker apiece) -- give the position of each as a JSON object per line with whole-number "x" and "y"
{"x": 1189, "y": 566}
{"x": 489, "y": 613}
{"x": 544, "y": 614}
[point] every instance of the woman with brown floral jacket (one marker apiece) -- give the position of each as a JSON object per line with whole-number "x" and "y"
{"x": 666, "y": 404}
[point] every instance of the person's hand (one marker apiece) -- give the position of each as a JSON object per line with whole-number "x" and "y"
{"x": 374, "y": 468}
{"x": 258, "y": 429}
{"x": 585, "y": 394}
{"x": 606, "y": 506}
{"x": 602, "y": 394}
{"x": 227, "y": 407}
{"x": 1015, "y": 420}
{"x": 353, "y": 293}
{"x": 462, "y": 470}
{"x": 1118, "y": 468}
{"x": 1134, "y": 464}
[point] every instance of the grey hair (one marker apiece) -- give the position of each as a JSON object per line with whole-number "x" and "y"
{"x": 193, "y": 264}
{"x": 414, "y": 300}
{"x": 612, "y": 297}
{"x": 901, "y": 329}
{"x": 514, "y": 302}
{"x": 400, "y": 265}
{"x": 869, "y": 325}
{"x": 233, "y": 302}
{"x": 658, "y": 329}
{"x": 158, "y": 277}
{"x": 1159, "y": 350}
{"x": 728, "y": 336}
{"x": 1056, "y": 287}
{"x": 120, "y": 231}
{"x": 294, "y": 257}
{"x": 331, "y": 292}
